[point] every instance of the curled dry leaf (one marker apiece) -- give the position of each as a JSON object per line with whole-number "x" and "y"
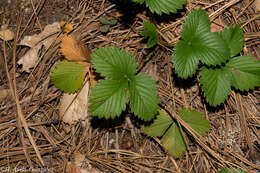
{"x": 36, "y": 42}
{"x": 73, "y": 49}
{"x": 66, "y": 27}
{"x": 6, "y": 35}
{"x": 73, "y": 109}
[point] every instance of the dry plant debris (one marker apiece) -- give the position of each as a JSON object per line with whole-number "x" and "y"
{"x": 257, "y": 5}
{"x": 35, "y": 43}
{"x": 103, "y": 146}
{"x": 73, "y": 49}
{"x": 74, "y": 107}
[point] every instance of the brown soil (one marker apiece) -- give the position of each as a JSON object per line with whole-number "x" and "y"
{"x": 118, "y": 145}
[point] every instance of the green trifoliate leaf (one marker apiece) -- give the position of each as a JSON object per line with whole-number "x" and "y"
{"x": 196, "y": 120}
{"x": 244, "y": 72}
{"x": 160, "y": 124}
{"x": 173, "y": 141}
{"x": 143, "y": 97}
{"x": 215, "y": 85}
{"x": 198, "y": 44}
{"x": 114, "y": 63}
{"x": 108, "y": 98}
{"x": 235, "y": 39}
{"x": 151, "y": 32}
{"x": 68, "y": 76}
{"x": 163, "y": 6}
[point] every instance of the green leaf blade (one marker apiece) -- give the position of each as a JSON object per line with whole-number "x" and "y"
{"x": 196, "y": 23}
{"x": 173, "y": 141}
{"x": 184, "y": 61}
{"x": 244, "y": 72}
{"x": 196, "y": 120}
{"x": 215, "y": 85}
{"x": 159, "y": 126}
{"x": 234, "y": 37}
{"x": 114, "y": 63}
{"x": 151, "y": 32}
{"x": 211, "y": 49}
{"x": 108, "y": 98}
{"x": 164, "y": 6}
{"x": 143, "y": 97}
{"x": 70, "y": 73}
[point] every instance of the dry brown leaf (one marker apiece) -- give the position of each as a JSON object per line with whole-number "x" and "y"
{"x": 257, "y": 5}
{"x": 66, "y": 27}
{"x": 72, "y": 110}
{"x": 35, "y": 42}
{"x": 49, "y": 30}
{"x": 6, "y": 35}
{"x": 73, "y": 49}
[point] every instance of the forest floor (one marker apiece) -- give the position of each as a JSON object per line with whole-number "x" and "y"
{"x": 33, "y": 136}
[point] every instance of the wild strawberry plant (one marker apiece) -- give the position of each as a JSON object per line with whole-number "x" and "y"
{"x": 170, "y": 132}
{"x": 121, "y": 84}
{"x": 221, "y": 70}
{"x": 151, "y": 32}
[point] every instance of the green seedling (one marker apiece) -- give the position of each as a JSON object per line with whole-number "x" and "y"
{"x": 151, "y": 32}
{"x": 106, "y": 23}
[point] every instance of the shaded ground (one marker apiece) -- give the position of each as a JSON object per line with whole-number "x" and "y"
{"x": 118, "y": 145}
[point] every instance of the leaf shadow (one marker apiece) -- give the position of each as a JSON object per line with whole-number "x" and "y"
{"x": 128, "y": 9}
{"x": 103, "y": 123}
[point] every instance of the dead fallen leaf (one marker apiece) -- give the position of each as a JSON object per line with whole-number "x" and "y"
{"x": 66, "y": 27}
{"x": 6, "y": 35}
{"x": 73, "y": 49}
{"x": 72, "y": 110}
{"x": 36, "y": 42}
{"x": 257, "y": 5}
{"x": 217, "y": 25}
{"x": 4, "y": 94}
